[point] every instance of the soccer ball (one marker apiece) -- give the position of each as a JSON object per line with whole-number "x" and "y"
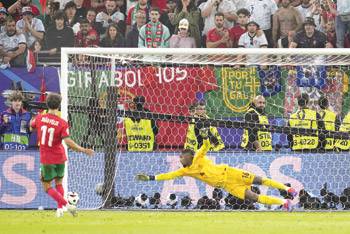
{"x": 73, "y": 198}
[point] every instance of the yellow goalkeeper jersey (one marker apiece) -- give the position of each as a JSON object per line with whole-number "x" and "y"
{"x": 202, "y": 168}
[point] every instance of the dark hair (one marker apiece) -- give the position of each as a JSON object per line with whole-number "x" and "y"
{"x": 243, "y": 11}
{"x": 53, "y": 101}
{"x": 107, "y": 36}
{"x": 155, "y": 9}
{"x": 188, "y": 152}
{"x": 59, "y": 15}
{"x": 303, "y": 100}
{"x": 219, "y": 14}
{"x": 191, "y": 6}
{"x": 70, "y": 4}
{"x": 323, "y": 102}
{"x": 84, "y": 21}
{"x": 16, "y": 96}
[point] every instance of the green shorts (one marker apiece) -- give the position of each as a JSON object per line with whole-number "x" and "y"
{"x": 51, "y": 171}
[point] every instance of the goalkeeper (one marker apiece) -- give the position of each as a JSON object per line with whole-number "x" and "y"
{"x": 235, "y": 181}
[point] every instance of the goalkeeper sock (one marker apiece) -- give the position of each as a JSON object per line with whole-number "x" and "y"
{"x": 270, "y": 200}
{"x": 56, "y": 196}
{"x": 273, "y": 183}
{"x": 60, "y": 189}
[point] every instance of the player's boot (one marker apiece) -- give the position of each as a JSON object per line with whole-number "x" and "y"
{"x": 287, "y": 206}
{"x": 72, "y": 209}
{"x": 59, "y": 212}
{"x": 292, "y": 192}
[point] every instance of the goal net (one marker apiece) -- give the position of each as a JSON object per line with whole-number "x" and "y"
{"x": 140, "y": 108}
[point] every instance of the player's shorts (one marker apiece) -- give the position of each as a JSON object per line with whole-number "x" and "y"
{"x": 238, "y": 181}
{"x": 51, "y": 171}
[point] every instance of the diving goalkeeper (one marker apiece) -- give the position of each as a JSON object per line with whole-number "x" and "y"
{"x": 235, "y": 181}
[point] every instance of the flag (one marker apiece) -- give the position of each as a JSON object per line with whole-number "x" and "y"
{"x": 43, "y": 6}
{"x": 236, "y": 90}
{"x": 30, "y": 61}
{"x": 270, "y": 80}
{"x": 311, "y": 76}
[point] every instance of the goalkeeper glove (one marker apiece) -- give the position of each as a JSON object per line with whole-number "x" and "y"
{"x": 204, "y": 132}
{"x": 144, "y": 177}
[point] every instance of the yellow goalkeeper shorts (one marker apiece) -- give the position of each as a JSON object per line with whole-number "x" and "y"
{"x": 238, "y": 181}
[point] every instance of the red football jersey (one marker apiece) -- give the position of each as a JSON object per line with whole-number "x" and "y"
{"x": 51, "y": 131}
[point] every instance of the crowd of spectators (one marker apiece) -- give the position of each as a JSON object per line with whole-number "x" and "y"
{"x": 172, "y": 23}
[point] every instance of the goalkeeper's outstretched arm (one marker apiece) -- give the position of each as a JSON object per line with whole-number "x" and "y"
{"x": 166, "y": 176}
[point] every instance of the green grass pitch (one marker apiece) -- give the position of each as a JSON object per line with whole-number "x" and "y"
{"x": 157, "y": 222}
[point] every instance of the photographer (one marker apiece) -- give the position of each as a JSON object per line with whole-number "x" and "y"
{"x": 14, "y": 124}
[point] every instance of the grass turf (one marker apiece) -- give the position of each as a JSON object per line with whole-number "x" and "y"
{"x": 101, "y": 222}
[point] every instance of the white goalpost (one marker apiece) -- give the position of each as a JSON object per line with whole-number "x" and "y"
{"x": 99, "y": 87}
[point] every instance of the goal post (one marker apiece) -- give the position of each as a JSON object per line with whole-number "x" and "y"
{"x": 99, "y": 87}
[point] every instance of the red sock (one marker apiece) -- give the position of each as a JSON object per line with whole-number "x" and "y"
{"x": 59, "y": 188}
{"x": 56, "y": 196}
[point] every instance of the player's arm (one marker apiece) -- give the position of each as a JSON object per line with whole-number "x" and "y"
{"x": 74, "y": 146}
{"x": 166, "y": 176}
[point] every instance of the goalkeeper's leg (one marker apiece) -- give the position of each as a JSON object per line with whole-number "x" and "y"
{"x": 274, "y": 184}
{"x": 264, "y": 199}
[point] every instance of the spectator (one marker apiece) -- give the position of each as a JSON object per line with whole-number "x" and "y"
{"x": 12, "y": 46}
{"x": 305, "y": 118}
{"x": 60, "y": 35}
{"x": 330, "y": 32}
{"x": 51, "y": 9}
{"x": 141, "y": 5}
{"x": 182, "y": 39}
{"x": 237, "y": 31}
{"x": 111, "y": 14}
{"x": 330, "y": 120}
{"x": 286, "y": 19}
{"x": 261, "y": 11}
{"x": 253, "y": 137}
{"x": 36, "y": 47}
{"x": 344, "y": 145}
{"x": 98, "y": 5}
{"x": 141, "y": 133}
{"x": 132, "y": 38}
{"x": 80, "y": 10}
{"x": 87, "y": 36}
{"x": 32, "y": 28}
{"x": 70, "y": 10}
{"x": 194, "y": 140}
{"x": 211, "y": 7}
{"x": 91, "y": 17}
{"x": 154, "y": 34}
{"x": 309, "y": 37}
{"x": 3, "y": 16}
{"x": 316, "y": 14}
{"x": 219, "y": 37}
{"x": 250, "y": 39}
{"x": 16, "y": 9}
{"x": 167, "y": 17}
{"x": 14, "y": 124}
{"x": 305, "y": 9}
{"x": 342, "y": 23}
{"x": 113, "y": 38}
{"x": 187, "y": 9}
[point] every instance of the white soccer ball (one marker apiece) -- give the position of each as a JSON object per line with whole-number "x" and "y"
{"x": 73, "y": 198}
